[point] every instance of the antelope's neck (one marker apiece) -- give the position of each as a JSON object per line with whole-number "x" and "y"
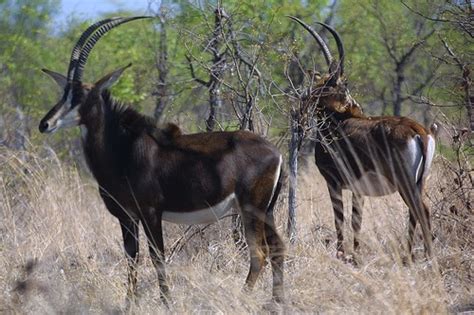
{"x": 92, "y": 133}
{"x": 99, "y": 150}
{"x": 330, "y": 125}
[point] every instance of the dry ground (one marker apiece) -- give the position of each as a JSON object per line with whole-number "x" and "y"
{"x": 61, "y": 252}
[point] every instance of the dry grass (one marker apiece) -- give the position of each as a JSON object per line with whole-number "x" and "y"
{"x": 61, "y": 252}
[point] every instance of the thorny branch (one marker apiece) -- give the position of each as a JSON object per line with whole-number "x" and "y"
{"x": 461, "y": 15}
{"x": 466, "y": 83}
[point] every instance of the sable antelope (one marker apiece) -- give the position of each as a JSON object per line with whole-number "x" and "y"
{"x": 148, "y": 174}
{"x": 370, "y": 156}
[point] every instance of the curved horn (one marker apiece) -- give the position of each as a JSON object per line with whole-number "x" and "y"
{"x": 101, "y": 31}
{"x": 324, "y": 47}
{"x": 340, "y": 46}
{"x": 78, "y": 47}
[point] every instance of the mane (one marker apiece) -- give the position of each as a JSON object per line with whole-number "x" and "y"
{"x": 130, "y": 120}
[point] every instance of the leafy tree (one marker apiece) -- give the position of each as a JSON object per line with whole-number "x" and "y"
{"x": 24, "y": 39}
{"x": 386, "y": 52}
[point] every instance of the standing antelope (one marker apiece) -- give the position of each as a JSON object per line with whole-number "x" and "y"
{"x": 147, "y": 174}
{"x": 370, "y": 156}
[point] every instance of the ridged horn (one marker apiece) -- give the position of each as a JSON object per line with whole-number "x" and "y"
{"x": 340, "y": 46}
{"x": 78, "y": 47}
{"x": 319, "y": 40}
{"x": 101, "y": 31}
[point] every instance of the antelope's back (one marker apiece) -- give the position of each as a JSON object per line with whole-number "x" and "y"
{"x": 197, "y": 170}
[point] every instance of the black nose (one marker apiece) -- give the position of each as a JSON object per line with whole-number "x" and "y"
{"x": 43, "y": 126}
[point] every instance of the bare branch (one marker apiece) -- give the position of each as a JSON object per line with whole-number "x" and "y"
{"x": 413, "y": 48}
{"x": 425, "y": 82}
{"x": 193, "y": 75}
{"x": 436, "y": 19}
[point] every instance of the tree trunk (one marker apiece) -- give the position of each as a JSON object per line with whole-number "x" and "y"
{"x": 247, "y": 122}
{"x": 162, "y": 66}
{"x": 293, "y": 168}
{"x": 469, "y": 99}
{"x": 20, "y": 133}
{"x": 217, "y": 69}
{"x": 397, "y": 92}
{"x": 214, "y": 102}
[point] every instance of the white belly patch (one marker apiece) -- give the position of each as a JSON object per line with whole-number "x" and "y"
{"x": 201, "y": 216}
{"x": 372, "y": 184}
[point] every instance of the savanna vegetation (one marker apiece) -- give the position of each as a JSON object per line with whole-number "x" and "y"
{"x": 208, "y": 65}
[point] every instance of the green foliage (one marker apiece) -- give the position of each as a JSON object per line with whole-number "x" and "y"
{"x": 24, "y": 44}
{"x": 122, "y": 45}
{"x": 28, "y": 43}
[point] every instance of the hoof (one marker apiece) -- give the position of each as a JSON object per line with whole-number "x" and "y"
{"x": 166, "y": 300}
{"x": 351, "y": 259}
{"x": 131, "y": 303}
{"x": 347, "y": 258}
{"x": 407, "y": 261}
{"x": 274, "y": 307}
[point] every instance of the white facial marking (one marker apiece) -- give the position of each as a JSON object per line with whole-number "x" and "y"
{"x": 64, "y": 117}
{"x": 201, "y": 216}
{"x": 70, "y": 119}
{"x": 83, "y": 132}
{"x": 68, "y": 99}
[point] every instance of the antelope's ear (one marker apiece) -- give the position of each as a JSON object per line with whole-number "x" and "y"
{"x": 57, "y": 77}
{"x": 109, "y": 80}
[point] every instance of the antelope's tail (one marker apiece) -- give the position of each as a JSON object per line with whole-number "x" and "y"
{"x": 272, "y": 239}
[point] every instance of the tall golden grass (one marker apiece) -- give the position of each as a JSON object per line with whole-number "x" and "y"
{"x": 61, "y": 252}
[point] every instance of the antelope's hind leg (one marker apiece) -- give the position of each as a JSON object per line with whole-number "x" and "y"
{"x": 263, "y": 240}
{"x": 419, "y": 212}
{"x": 426, "y": 228}
{"x": 275, "y": 249}
{"x": 254, "y": 229}
{"x": 412, "y": 222}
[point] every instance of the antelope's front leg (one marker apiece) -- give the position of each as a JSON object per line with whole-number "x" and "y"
{"x": 427, "y": 232}
{"x": 335, "y": 193}
{"x": 130, "y": 230}
{"x": 154, "y": 233}
{"x": 357, "y": 204}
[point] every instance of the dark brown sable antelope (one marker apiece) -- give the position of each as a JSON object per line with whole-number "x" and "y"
{"x": 148, "y": 174}
{"x": 370, "y": 156}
